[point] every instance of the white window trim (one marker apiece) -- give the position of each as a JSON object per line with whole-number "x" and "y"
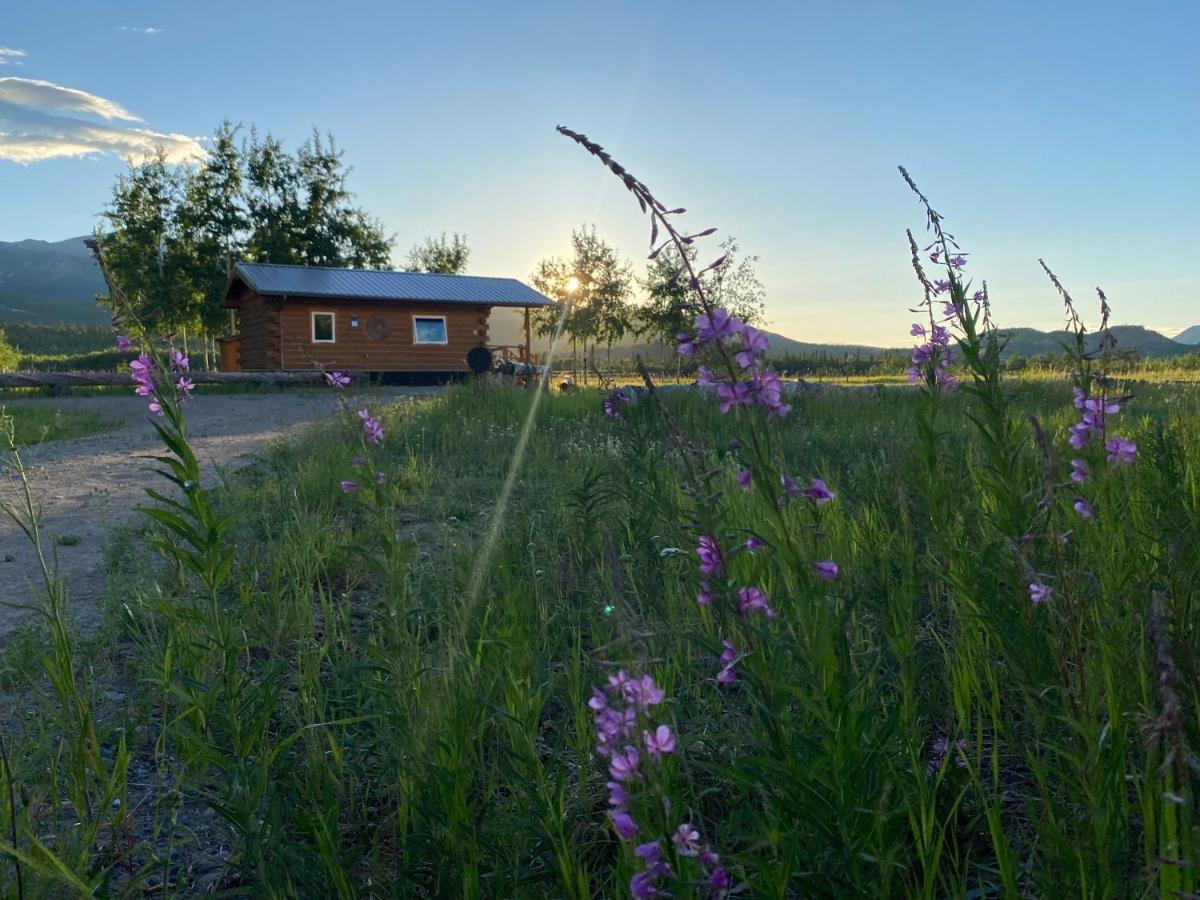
{"x": 445, "y": 331}
{"x": 312, "y": 326}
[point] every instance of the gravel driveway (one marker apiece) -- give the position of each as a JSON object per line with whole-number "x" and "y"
{"x": 89, "y": 486}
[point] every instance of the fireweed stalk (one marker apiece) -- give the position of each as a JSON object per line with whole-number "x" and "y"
{"x": 738, "y": 599}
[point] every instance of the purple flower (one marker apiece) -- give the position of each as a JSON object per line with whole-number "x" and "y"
{"x": 729, "y": 656}
{"x": 935, "y": 256}
{"x": 940, "y": 287}
{"x": 123, "y": 343}
{"x": 720, "y": 326}
{"x": 644, "y": 693}
{"x": 754, "y": 543}
{"x": 372, "y": 430}
{"x": 141, "y": 367}
{"x": 380, "y": 478}
{"x": 827, "y": 570}
{"x": 918, "y": 330}
{"x": 156, "y": 407}
{"x": 649, "y": 852}
{"x": 624, "y": 825}
{"x": 659, "y": 741}
{"x": 349, "y": 486}
{"x": 179, "y": 361}
{"x": 641, "y": 886}
{"x": 1079, "y": 471}
{"x": 598, "y": 700}
{"x": 685, "y": 344}
{"x": 743, "y": 478}
{"x": 685, "y": 840}
{"x": 817, "y": 492}
{"x": 958, "y": 261}
{"x": 1084, "y": 508}
{"x": 1038, "y": 592}
{"x": 704, "y": 376}
{"x": 718, "y": 879}
{"x": 979, "y": 296}
{"x": 617, "y": 798}
{"x": 752, "y": 600}
{"x": 705, "y": 597}
{"x": 735, "y": 394}
{"x": 1120, "y": 450}
{"x": 922, "y": 354}
{"x": 624, "y": 765}
{"x": 914, "y": 374}
{"x": 1080, "y": 397}
{"x": 357, "y": 461}
{"x": 337, "y": 380}
{"x": 711, "y": 561}
{"x": 185, "y": 387}
{"x": 754, "y": 343}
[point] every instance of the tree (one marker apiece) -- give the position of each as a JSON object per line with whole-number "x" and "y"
{"x": 139, "y": 248}
{"x": 439, "y": 255}
{"x": 591, "y": 294}
{"x": 668, "y": 309}
{"x": 174, "y": 232}
{"x": 9, "y": 357}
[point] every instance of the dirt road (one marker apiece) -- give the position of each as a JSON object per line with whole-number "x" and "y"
{"x": 87, "y": 486}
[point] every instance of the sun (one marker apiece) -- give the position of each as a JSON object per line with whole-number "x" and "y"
{"x": 572, "y": 285}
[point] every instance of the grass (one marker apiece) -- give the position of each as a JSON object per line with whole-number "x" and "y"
{"x": 36, "y": 423}
{"x": 348, "y": 719}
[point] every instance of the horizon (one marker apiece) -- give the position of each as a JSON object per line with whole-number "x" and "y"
{"x": 1078, "y": 145}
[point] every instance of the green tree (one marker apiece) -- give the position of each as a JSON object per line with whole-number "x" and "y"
{"x": 172, "y": 233}
{"x": 442, "y": 255}
{"x": 9, "y": 357}
{"x": 668, "y": 311}
{"x": 592, "y": 293}
{"x": 138, "y": 247}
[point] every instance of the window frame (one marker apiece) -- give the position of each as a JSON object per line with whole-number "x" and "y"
{"x": 445, "y": 331}
{"x": 312, "y": 326}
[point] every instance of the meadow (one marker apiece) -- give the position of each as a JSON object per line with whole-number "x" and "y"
{"x": 738, "y": 639}
{"x": 372, "y": 705}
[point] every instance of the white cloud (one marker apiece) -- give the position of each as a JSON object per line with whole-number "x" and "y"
{"x": 11, "y": 54}
{"x": 34, "y": 126}
{"x": 150, "y": 30}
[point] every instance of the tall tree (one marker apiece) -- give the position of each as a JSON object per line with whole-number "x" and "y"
{"x": 138, "y": 246}
{"x": 592, "y": 293}
{"x": 668, "y": 311}
{"x": 173, "y": 233}
{"x": 441, "y": 255}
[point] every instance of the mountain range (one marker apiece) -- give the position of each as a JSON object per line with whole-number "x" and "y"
{"x": 43, "y": 282}
{"x": 57, "y": 281}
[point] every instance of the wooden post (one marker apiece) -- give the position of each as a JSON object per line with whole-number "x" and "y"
{"x": 528, "y": 358}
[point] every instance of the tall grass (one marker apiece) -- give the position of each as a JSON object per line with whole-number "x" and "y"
{"x": 318, "y": 701}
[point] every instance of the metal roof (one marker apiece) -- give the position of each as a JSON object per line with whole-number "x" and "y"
{"x": 378, "y": 284}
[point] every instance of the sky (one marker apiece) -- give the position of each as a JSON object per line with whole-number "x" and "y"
{"x": 1064, "y": 130}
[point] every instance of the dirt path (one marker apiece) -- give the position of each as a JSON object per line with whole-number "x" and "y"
{"x": 88, "y": 486}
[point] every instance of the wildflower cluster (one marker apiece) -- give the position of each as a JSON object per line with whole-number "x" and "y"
{"x": 141, "y": 370}
{"x": 616, "y": 401}
{"x": 749, "y": 382}
{"x": 622, "y": 710}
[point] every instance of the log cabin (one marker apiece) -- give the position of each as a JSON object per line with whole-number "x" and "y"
{"x": 403, "y": 326}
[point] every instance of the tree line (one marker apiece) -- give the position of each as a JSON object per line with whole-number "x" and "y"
{"x": 171, "y": 234}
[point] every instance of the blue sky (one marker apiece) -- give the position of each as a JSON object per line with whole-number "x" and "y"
{"x": 1064, "y": 130}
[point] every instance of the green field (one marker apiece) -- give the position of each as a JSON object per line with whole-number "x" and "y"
{"x": 34, "y": 423}
{"x": 388, "y": 695}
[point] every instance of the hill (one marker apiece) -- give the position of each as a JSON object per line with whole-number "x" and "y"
{"x": 1189, "y": 336}
{"x": 44, "y": 281}
{"x": 1031, "y": 342}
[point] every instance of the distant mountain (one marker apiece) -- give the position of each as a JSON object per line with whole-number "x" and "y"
{"x": 43, "y": 281}
{"x": 1031, "y": 342}
{"x": 1189, "y": 336}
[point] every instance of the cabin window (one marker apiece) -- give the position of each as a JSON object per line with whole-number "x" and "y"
{"x": 322, "y": 328}
{"x": 429, "y": 330}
